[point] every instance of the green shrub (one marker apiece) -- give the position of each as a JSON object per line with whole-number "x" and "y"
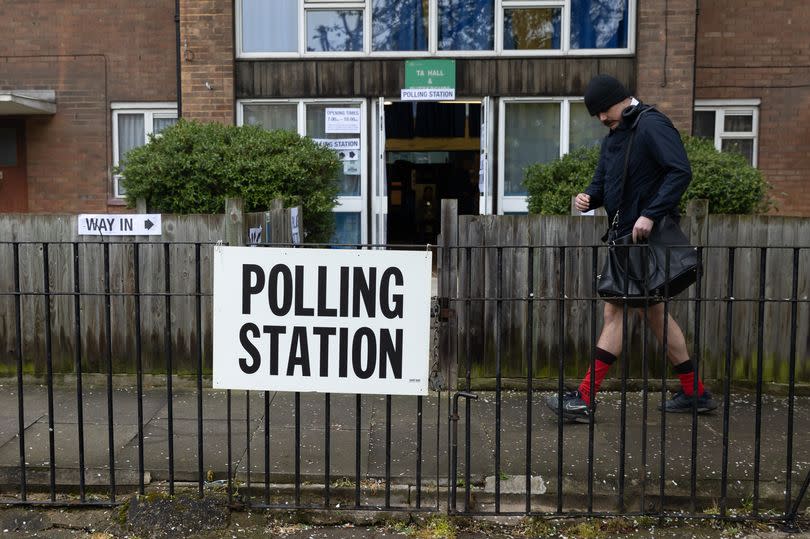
{"x": 725, "y": 179}
{"x": 192, "y": 167}
{"x": 551, "y": 185}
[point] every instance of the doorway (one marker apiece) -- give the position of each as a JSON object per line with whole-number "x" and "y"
{"x": 13, "y": 175}
{"x": 432, "y": 153}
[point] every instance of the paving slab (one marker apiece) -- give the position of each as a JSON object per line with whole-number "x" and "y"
{"x": 395, "y": 444}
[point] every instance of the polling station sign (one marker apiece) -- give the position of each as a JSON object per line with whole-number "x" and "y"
{"x": 324, "y": 320}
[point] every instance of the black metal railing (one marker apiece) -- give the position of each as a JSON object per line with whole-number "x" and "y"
{"x": 557, "y": 297}
{"x": 512, "y": 312}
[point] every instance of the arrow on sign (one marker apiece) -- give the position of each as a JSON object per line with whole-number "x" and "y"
{"x": 148, "y": 224}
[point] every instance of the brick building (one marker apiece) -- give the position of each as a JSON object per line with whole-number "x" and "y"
{"x": 79, "y": 86}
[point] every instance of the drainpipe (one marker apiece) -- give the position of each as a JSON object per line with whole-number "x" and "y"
{"x": 694, "y": 66}
{"x": 177, "y": 58}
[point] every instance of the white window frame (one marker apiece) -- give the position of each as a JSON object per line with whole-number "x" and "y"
{"x": 433, "y": 29}
{"x": 346, "y": 203}
{"x": 732, "y": 107}
{"x": 520, "y": 203}
{"x": 150, "y": 111}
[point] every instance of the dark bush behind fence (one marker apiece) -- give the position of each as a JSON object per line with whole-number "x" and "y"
{"x": 516, "y": 304}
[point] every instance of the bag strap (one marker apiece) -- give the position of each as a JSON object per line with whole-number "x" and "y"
{"x": 626, "y": 164}
{"x": 615, "y": 223}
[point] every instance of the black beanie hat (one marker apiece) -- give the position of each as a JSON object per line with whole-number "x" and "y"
{"x": 603, "y": 92}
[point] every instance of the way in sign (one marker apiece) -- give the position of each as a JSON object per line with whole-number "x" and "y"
{"x": 109, "y": 224}
{"x": 119, "y": 225}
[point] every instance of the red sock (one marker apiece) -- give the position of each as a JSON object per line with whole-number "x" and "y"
{"x": 604, "y": 360}
{"x": 686, "y": 374}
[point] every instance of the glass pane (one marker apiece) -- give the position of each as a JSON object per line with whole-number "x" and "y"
{"x": 159, "y": 124}
{"x": 532, "y": 135}
{"x": 270, "y": 26}
{"x": 349, "y": 174}
{"x": 130, "y": 134}
{"x": 8, "y": 146}
{"x": 739, "y": 123}
{"x": 531, "y": 29}
{"x": 741, "y": 146}
{"x": 335, "y": 31}
{"x": 466, "y": 25}
{"x": 585, "y": 131}
{"x": 598, "y": 24}
{"x": 399, "y": 25}
{"x": 703, "y": 124}
{"x": 281, "y": 116}
{"x": 347, "y": 228}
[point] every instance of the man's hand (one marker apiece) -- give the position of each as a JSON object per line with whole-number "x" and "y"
{"x": 642, "y": 229}
{"x": 582, "y": 202}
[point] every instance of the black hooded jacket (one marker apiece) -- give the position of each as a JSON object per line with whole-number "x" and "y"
{"x": 658, "y": 170}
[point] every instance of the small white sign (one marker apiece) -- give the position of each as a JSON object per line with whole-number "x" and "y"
{"x": 351, "y": 168}
{"x": 324, "y": 320}
{"x": 339, "y": 144}
{"x": 343, "y": 120}
{"x": 255, "y": 235}
{"x": 427, "y": 94}
{"x": 131, "y": 224}
{"x": 294, "y": 226}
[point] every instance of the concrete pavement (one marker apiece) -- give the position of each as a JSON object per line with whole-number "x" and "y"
{"x": 248, "y": 441}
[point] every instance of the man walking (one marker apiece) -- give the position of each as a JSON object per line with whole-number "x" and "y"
{"x": 658, "y": 173}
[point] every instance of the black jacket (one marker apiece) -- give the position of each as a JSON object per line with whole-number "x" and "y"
{"x": 658, "y": 170}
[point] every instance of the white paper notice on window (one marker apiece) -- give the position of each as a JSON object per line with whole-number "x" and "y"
{"x": 342, "y": 120}
{"x": 347, "y": 149}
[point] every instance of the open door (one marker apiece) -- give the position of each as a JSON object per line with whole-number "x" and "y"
{"x": 379, "y": 190}
{"x": 485, "y": 187}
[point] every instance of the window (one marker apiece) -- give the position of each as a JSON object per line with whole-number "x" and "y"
{"x": 732, "y": 125}
{"x": 132, "y": 125}
{"x": 296, "y": 28}
{"x": 320, "y": 120}
{"x": 538, "y": 131}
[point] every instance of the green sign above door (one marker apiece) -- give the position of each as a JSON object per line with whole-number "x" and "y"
{"x": 430, "y": 74}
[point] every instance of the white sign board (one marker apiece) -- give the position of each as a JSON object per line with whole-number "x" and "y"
{"x": 325, "y": 320}
{"x": 131, "y": 224}
{"x": 427, "y": 94}
{"x": 342, "y": 120}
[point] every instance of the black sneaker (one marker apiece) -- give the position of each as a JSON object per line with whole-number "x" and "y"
{"x": 574, "y": 408}
{"x": 681, "y": 403}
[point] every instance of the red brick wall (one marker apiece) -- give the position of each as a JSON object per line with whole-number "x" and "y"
{"x": 207, "y": 33}
{"x": 665, "y": 47}
{"x": 759, "y": 49}
{"x": 91, "y": 53}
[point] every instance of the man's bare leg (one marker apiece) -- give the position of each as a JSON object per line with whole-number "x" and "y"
{"x": 677, "y": 352}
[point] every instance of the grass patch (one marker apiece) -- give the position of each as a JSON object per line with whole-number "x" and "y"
{"x": 437, "y": 527}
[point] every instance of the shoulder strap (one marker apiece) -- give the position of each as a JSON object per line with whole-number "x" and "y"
{"x": 615, "y": 222}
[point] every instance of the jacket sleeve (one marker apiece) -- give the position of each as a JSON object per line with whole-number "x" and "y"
{"x": 596, "y": 189}
{"x": 667, "y": 150}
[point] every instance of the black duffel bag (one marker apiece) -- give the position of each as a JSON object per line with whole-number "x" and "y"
{"x": 638, "y": 273}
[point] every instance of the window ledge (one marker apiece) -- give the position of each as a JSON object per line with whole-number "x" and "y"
{"x": 115, "y": 201}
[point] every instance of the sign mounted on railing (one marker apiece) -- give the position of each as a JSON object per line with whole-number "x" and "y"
{"x": 336, "y": 321}
{"x": 131, "y": 224}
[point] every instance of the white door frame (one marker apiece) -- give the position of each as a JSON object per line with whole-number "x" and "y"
{"x": 379, "y": 186}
